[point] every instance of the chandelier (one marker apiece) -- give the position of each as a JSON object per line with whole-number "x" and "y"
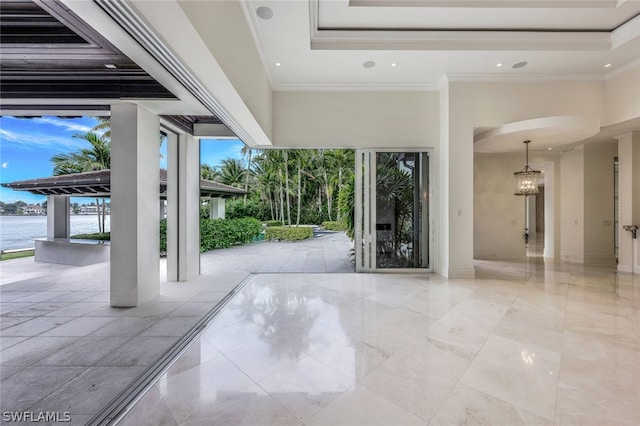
{"x": 527, "y": 178}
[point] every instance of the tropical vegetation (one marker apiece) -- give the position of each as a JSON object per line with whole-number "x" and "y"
{"x": 287, "y": 233}
{"x": 219, "y": 233}
{"x": 292, "y": 187}
{"x": 96, "y": 157}
{"x": 285, "y": 187}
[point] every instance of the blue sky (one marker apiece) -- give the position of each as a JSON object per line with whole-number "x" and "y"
{"x": 27, "y": 145}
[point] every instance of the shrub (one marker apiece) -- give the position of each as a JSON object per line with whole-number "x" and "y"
{"x": 97, "y": 236}
{"x": 163, "y": 236}
{"x": 333, "y": 226}
{"x": 285, "y": 233}
{"x": 219, "y": 233}
{"x": 273, "y": 223}
{"x": 346, "y": 205}
{"x": 222, "y": 233}
{"x": 237, "y": 209}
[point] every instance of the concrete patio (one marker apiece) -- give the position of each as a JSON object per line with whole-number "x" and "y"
{"x": 64, "y": 349}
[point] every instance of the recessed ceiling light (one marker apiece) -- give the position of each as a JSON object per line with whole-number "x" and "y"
{"x": 519, "y": 65}
{"x": 394, "y": 64}
{"x": 110, "y": 66}
{"x": 369, "y": 64}
{"x": 278, "y": 64}
{"x": 549, "y": 149}
{"x": 264, "y": 12}
{"x": 607, "y": 65}
{"x": 499, "y": 65}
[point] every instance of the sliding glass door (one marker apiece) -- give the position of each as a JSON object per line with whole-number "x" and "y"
{"x": 392, "y": 210}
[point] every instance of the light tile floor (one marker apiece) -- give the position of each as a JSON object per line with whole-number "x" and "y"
{"x": 524, "y": 343}
{"x": 64, "y": 349}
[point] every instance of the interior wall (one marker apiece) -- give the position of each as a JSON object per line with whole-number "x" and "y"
{"x": 494, "y": 104}
{"x": 356, "y": 119}
{"x": 599, "y": 199}
{"x": 572, "y": 224}
{"x": 498, "y": 215}
{"x": 621, "y": 101}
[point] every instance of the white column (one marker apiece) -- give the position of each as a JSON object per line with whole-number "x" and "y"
{"x": 628, "y": 200}
{"x": 183, "y": 208}
{"x": 58, "y": 221}
{"x": 135, "y": 183}
{"x": 216, "y": 208}
{"x": 460, "y": 200}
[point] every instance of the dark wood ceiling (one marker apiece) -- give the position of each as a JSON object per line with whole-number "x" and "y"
{"x": 48, "y": 52}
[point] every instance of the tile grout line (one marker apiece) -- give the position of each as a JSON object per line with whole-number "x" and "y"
{"x": 124, "y": 401}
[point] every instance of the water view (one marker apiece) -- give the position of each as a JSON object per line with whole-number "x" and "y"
{"x": 17, "y": 232}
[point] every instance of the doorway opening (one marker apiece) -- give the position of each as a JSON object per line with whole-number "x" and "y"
{"x": 392, "y": 210}
{"x": 534, "y": 223}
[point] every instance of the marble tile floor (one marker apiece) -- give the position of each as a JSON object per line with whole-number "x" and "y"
{"x": 63, "y": 348}
{"x": 60, "y": 341}
{"x": 524, "y": 343}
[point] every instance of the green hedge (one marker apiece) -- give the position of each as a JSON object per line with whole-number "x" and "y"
{"x": 163, "y": 236}
{"x": 222, "y": 233}
{"x": 273, "y": 223}
{"x": 219, "y": 233}
{"x": 285, "y": 233}
{"x": 97, "y": 236}
{"x": 333, "y": 226}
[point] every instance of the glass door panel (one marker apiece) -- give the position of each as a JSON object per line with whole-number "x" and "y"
{"x": 392, "y": 210}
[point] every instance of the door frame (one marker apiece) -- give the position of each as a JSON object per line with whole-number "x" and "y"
{"x": 365, "y": 215}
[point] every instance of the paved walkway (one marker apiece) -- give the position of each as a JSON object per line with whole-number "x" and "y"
{"x": 63, "y": 348}
{"x": 327, "y": 252}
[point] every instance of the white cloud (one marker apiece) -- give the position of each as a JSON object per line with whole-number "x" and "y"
{"x": 5, "y": 164}
{"x": 67, "y": 124}
{"x": 8, "y": 135}
{"x": 40, "y": 140}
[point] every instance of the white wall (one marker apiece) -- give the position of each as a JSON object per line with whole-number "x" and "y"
{"x": 355, "y": 119}
{"x": 622, "y": 96}
{"x": 494, "y": 104}
{"x": 598, "y": 207}
{"x": 498, "y": 215}
{"x": 572, "y": 206}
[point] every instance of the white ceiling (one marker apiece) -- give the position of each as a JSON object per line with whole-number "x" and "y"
{"x": 323, "y": 44}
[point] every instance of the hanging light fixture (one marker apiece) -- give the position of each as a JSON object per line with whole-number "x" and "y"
{"x": 527, "y": 178}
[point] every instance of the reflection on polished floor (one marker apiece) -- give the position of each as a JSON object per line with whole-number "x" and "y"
{"x": 526, "y": 343}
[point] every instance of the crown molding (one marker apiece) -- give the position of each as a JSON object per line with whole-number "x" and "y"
{"x": 356, "y": 87}
{"x": 487, "y": 3}
{"x": 458, "y": 40}
{"x": 519, "y": 78}
{"x": 628, "y": 31}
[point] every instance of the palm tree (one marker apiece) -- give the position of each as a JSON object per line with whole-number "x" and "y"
{"x": 231, "y": 172}
{"x": 98, "y": 157}
{"x": 209, "y": 173}
{"x": 247, "y": 150}
{"x": 103, "y": 126}
{"x": 342, "y": 161}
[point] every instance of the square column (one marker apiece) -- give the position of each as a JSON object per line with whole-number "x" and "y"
{"x": 135, "y": 221}
{"x": 216, "y": 208}
{"x": 628, "y": 201}
{"x": 183, "y": 208}
{"x": 58, "y": 220}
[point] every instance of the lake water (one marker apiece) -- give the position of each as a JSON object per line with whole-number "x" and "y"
{"x": 18, "y": 232}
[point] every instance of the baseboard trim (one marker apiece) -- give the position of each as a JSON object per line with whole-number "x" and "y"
{"x": 462, "y": 273}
